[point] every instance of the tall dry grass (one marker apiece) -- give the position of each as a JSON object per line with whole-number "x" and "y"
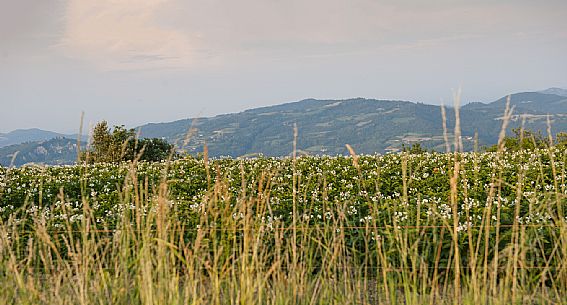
{"x": 233, "y": 257}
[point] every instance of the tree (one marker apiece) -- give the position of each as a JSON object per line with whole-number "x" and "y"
{"x": 154, "y": 149}
{"x": 561, "y": 140}
{"x": 414, "y": 149}
{"x": 103, "y": 146}
{"x": 121, "y": 144}
{"x": 527, "y": 139}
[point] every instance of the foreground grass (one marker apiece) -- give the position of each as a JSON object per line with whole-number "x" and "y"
{"x": 315, "y": 230}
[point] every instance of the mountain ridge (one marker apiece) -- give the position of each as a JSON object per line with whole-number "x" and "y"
{"x": 555, "y": 90}
{"x": 26, "y": 135}
{"x": 368, "y": 125}
{"x": 393, "y": 123}
{"x": 56, "y": 151}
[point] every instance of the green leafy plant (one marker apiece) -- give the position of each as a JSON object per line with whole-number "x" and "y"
{"x": 121, "y": 144}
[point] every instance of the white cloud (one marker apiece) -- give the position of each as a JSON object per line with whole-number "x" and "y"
{"x": 123, "y": 35}
{"x": 141, "y": 34}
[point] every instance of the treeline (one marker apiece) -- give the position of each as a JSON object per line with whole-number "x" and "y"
{"x": 121, "y": 144}
{"x": 522, "y": 139}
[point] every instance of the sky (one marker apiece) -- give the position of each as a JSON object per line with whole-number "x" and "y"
{"x": 137, "y": 61}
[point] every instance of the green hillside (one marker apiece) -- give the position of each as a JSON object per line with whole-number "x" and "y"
{"x": 370, "y": 126}
{"x": 19, "y": 136}
{"x": 325, "y": 126}
{"x": 56, "y": 151}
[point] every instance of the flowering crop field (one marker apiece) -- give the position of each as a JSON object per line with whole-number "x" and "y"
{"x": 376, "y": 185}
{"x": 421, "y": 229}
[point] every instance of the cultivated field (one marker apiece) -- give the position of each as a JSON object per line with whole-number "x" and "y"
{"x": 307, "y": 230}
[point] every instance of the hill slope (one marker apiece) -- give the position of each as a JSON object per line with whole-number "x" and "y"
{"x": 556, "y": 91}
{"x": 27, "y": 135}
{"x": 325, "y": 126}
{"x": 370, "y": 126}
{"x": 57, "y": 151}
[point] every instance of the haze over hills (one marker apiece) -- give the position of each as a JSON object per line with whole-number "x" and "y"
{"x": 556, "y": 91}
{"x": 56, "y": 151}
{"x": 26, "y": 135}
{"x": 20, "y": 136}
{"x": 368, "y": 125}
{"x": 325, "y": 126}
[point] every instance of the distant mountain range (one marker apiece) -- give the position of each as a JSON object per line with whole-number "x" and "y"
{"x": 368, "y": 125}
{"x": 325, "y": 126}
{"x": 19, "y": 136}
{"x": 27, "y": 135}
{"x": 56, "y": 151}
{"x": 556, "y": 91}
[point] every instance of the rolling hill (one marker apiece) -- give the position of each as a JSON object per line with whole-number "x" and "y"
{"x": 27, "y": 135}
{"x": 56, "y": 151}
{"x": 325, "y": 126}
{"x": 556, "y": 91}
{"x": 370, "y": 126}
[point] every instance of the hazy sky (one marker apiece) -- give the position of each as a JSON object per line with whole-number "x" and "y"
{"x": 138, "y": 61}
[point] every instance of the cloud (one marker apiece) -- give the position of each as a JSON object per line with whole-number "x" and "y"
{"x": 123, "y": 35}
{"x": 157, "y": 34}
{"x": 27, "y": 26}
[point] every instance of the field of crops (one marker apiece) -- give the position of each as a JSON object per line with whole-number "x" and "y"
{"x": 312, "y": 230}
